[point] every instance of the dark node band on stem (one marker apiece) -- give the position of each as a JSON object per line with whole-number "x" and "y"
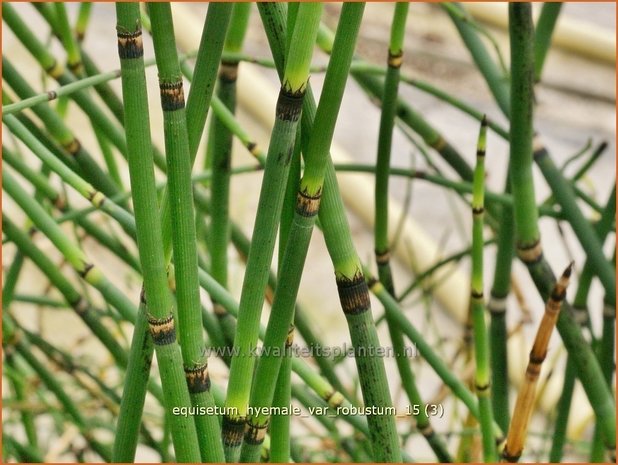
{"x": 255, "y": 433}
{"x": 232, "y": 431}
{"x": 76, "y": 67}
{"x": 537, "y": 359}
{"x": 353, "y": 294}
{"x": 218, "y": 309}
{"x": 289, "y": 104}
{"x": 530, "y": 253}
{"x": 482, "y": 387}
{"x": 96, "y": 198}
{"x": 130, "y": 44}
{"x": 534, "y": 369}
{"x": 383, "y": 257}
{"x": 480, "y": 152}
{"x": 228, "y": 72}
{"x": 172, "y": 95}
{"x": 289, "y": 340}
{"x": 307, "y": 205}
{"x": 427, "y": 431}
{"x": 87, "y": 267}
{"x": 80, "y": 305}
{"x": 198, "y": 379}
{"x": 72, "y": 147}
{"x": 252, "y": 148}
{"x": 334, "y": 399}
{"x": 476, "y": 295}
{"x": 142, "y": 296}
{"x": 395, "y": 59}
{"x": 477, "y": 211}
{"x": 514, "y": 458}
{"x": 162, "y": 330}
{"x": 55, "y": 70}
{"x": 52, "y": 95}
{"x": 438, "y": 144}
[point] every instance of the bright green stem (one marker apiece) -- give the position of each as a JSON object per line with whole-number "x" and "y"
{"x": 563, "y": 408}
{"x": 60, "y": 132}
{"x": 497, "y": 310}
{"x": 83, "y": 18}
{"x": 498, "y": 84}
{"x": 269, "y": 210}
{"x": 280, "y": 424}
{"x": 157, "y": 296}
{"x": 385, "y": 137}
{"x": 481, "y": 340}
{"x": 10, "y": 337}
{"x": 565, "y": 197}
{"x": 68, "y": 39}
{"x": 542, "y": 35}
{"x": 71, "y": 252}
{"x": 184, "y": 240}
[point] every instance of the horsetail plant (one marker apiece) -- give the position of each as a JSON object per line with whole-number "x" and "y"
{"x": 156, "y": 299}
{"x": 299, "y": 235}
{"x": 481, "y": 341}
{"x": 269, "y": 209}
{"x": 528, "y": 242}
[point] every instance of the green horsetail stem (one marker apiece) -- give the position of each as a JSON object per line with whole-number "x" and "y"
{"x": 73, "y": 254}
{"x": 299, "y": 235}
{"x": 73, "y": 298}
{"x": 352, "y": 288}
{"x": 11, "y": 338}
{"x": 481, "y": 340}
{"x": 83, "y": 18}
{"x": 69, "y": 40}
{"x": 270, "y": 203}
{"x": 220, "y": 152}
{"x": 543, "y": 34}
{"x": 55, "y": 70}
{"x": 385, "y": 136}
{"x": 158, "y": 298}
{"x": 60, "y": 131}
{"x": 381, "y": 243}
{"x": 183, "y": 232}
{"x": 529, "y": 247}
{"x": 85, "y": 189}
{"x": 496, "y": 80}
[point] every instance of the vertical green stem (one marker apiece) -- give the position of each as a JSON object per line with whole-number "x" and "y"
{"x": 270, "y": 203}
{"x": 542, "y": 35}
{"x": 481, "y": 341}
{"x": 156, "y": 297}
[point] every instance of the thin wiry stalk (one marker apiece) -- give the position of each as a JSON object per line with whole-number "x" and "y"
{"x": 60, "y": 132}
{"x": 11, "y": 338}
{"x": 280, "y": 424}
{"x": 543, "y": 33}
{"x": 220, "y": 151}
{"x": 83, "y": 18}
{"x": 385, "y": 136}
{"x": 528, "y": 243}
{"x": 497, "y": 311}
{"x": 495, "y": 79}
{"x": 184, "y": 233}
{"x": 73, "y": 298}
{"x": 481, "y": 341}
{"x": 74, "y": 59}
{"x": 563, "y": 408}
{"x": 57, "y": 72}
{"x": 288, "y": 111}
{"x": 583, "y": 229}
{"x": 72, "y": 253}
{"x": 299, "y": 235}
{"x": 525, "y": 399}
{"x": 85, "y": 189}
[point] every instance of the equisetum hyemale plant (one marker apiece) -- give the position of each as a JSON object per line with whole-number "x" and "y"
{"x": 144, "y": 318}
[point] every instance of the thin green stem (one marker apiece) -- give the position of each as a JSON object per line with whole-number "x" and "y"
{"x": 543, "y": 33}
